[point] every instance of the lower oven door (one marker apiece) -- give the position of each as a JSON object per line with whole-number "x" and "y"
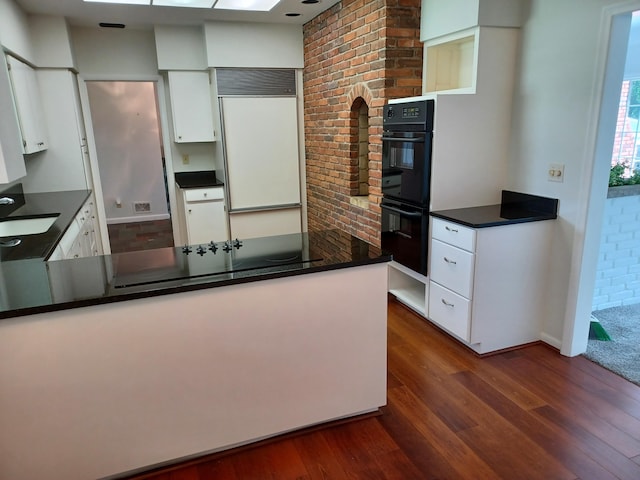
{"x": 405, "y": 234}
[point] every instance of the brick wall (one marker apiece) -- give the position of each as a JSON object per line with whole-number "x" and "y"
{"x": 624, "y": 145}
{"x": 618, "y": 274}
{"x": 357, "y": 51}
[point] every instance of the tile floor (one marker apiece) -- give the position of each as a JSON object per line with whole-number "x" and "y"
{"x": 129, "y": 237}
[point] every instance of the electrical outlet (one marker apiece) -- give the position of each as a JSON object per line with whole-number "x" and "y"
{"x": 556, "y": 172}
{"x": 185, "y": 159}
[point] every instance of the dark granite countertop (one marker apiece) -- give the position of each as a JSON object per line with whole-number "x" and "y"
{"x": 66, "y": 204}
{"x": 37, "y": 287}
{"x": 514, "y": 208}
{"x": 200, "y": 179}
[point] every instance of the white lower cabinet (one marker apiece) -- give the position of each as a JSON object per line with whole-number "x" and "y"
{"x": 205, "y": 215}
{"x": 486, "y": 286}
{"x": 80, "y": 239}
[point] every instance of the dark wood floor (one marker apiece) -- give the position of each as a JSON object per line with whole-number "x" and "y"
{"x": 526, "y": 414}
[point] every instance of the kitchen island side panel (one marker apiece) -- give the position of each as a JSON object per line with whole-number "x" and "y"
{"x": 96, "y": 391}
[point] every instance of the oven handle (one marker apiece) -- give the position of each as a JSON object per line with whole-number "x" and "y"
{"x": 407, "y": 140}
{"x": 402, "y": 212}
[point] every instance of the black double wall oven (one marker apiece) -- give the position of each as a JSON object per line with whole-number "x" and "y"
{"x": 406, "y": 175}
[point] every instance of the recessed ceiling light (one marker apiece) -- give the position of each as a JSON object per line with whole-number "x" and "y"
{"x": 252, "y": 5}
{"x": 127, "y": 2}
{"x": 184, "y": 3}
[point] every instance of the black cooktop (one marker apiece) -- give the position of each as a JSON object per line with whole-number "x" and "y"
{"x": 195, "y": 263}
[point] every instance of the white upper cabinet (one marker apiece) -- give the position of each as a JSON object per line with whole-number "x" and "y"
{"x": 445, "y": 17}
{"x": 12, "y": 164}
{"x": 65, "y": 164}
{"x": 26, "y": 95}
{"x": 191, "y": 107}
{"x": 455, "y": 38}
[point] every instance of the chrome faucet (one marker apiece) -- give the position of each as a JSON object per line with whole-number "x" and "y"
{"x": 7, "y": 201}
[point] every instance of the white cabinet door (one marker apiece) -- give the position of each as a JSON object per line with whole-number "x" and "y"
{"x": 261, "y": 144}
{"x": 28, "y": 105}
{"x": 191, "y": 107}
{"x": 206, "y": 222}
{"x": 65, "y": 165}
{"x": 452, "y": 267}
{"x": 205, "y": 215}
{"x": 450, "y": 310}
{"x": 12, "y": 164}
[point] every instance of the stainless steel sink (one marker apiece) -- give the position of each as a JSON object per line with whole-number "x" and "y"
{"x": 19, "y": 226}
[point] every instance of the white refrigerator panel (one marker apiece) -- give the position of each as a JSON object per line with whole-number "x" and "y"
{"x": 261, "y": 144}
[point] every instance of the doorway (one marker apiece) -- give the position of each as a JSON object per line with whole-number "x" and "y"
{"x": 614, "y": 340}
{"x": 131, "y": 161}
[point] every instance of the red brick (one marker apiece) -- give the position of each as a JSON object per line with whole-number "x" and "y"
{"x": 355, "y": 50}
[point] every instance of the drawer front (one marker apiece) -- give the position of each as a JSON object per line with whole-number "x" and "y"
{"x": 203, "y": 194}
{"x": 453, "y": 233}
{"x": 452, "y": 268}
{"x": 450, "y": 311}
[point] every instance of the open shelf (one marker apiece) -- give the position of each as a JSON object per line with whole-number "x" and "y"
{"x": 450, "y": 64}
{"x": 408, "y": 287}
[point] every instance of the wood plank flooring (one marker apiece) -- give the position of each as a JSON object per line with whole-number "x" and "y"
{"x": 526, "y": 414}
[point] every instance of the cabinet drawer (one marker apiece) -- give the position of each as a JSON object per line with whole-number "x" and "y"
{"x": 449, "y": 310}
{"x": 452, "y": 268}
{"x": 453, "y": 233}
{"x": 203, "y": 194}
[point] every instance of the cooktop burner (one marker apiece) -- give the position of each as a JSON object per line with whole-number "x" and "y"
{"x": 212, "y": 247}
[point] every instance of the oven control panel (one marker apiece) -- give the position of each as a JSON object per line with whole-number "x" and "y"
{"x": 413, "y": 116}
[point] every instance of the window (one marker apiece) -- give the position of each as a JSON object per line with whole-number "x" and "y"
{"x": 626, "y": 148}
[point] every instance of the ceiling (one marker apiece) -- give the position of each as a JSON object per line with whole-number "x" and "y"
{"x": 140, "y": 16}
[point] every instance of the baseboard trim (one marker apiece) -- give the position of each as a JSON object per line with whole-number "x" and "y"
{"x": 138, "y": 218}
{"x": 548, "y": 339}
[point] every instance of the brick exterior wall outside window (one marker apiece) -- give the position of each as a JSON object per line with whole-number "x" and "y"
{"x": 358, "y": 50}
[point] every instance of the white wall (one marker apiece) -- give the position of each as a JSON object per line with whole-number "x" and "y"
{"x": 254, "y": 45}
{"x": 618, "y": 277}
{"x": 112, "y": 51}
{"x": 14, "y": 30}
{"x": 556, "y": 111}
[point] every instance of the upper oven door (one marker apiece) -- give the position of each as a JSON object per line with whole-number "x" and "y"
{"x": 406, "y": 166}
